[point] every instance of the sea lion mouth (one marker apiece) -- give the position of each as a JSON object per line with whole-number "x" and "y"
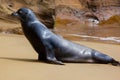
{"x": 15, "y": 14}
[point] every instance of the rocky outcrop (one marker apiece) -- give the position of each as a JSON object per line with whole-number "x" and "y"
{"x": 89, "y": 12}
{"x": 43, "y": 8}
{"x": 50, "y": 12}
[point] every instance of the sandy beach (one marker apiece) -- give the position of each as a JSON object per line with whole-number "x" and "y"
{"x": 18, "y": 61}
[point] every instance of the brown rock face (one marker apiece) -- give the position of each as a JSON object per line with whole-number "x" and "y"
{"x": 75, "y": 11}
{"x": 89, "y": 12}
{"x": 43, "y": 8}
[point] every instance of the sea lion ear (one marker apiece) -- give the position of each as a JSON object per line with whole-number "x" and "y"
{"x": 27, "y": 14}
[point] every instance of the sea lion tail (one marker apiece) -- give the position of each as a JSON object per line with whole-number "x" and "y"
{"x": 103, "y": 58}
{"x": 115, "y": 63}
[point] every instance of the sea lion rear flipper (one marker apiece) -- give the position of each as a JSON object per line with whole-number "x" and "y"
{"x": 115, "y": 63}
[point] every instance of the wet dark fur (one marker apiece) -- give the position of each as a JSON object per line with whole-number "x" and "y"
{"x": 53, "y": 49}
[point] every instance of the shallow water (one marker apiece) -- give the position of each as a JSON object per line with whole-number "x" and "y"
{"x": 106, "y": 33}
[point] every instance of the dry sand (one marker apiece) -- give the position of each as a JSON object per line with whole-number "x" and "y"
{"x": 18, "y": 61}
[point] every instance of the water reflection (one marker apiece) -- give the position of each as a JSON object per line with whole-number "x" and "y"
{"x": 106, "y": 33}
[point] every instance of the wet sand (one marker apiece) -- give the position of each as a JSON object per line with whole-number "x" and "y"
{"x": 18, "y": 61}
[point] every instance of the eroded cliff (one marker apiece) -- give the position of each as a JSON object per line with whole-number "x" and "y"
{"x": 89, "y": 12}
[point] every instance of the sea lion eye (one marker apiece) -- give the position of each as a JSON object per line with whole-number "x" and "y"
{"x": 20, "y": 12}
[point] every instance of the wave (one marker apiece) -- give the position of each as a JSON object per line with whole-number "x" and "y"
{"x": 114, "y": 39}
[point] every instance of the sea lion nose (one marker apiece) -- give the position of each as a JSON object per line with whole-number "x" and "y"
{"x": 14, "y": 14}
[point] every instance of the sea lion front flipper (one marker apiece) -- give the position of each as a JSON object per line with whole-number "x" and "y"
{"x": 50, "y": 55}
{"x": 55, "y": 61}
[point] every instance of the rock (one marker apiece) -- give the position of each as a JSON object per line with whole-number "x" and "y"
{"x": 77, "y": 11}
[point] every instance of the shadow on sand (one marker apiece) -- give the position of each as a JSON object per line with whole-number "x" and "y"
{"x": 21, "y": 59}
{"x": 36, "y": 60}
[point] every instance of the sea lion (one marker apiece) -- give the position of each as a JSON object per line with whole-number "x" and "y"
{"x": 54, "y": 49}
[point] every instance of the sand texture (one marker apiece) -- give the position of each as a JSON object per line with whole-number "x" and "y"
{"x": 18, "y": 61}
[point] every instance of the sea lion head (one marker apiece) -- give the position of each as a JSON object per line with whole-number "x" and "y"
{"x": 24, "y": 14}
